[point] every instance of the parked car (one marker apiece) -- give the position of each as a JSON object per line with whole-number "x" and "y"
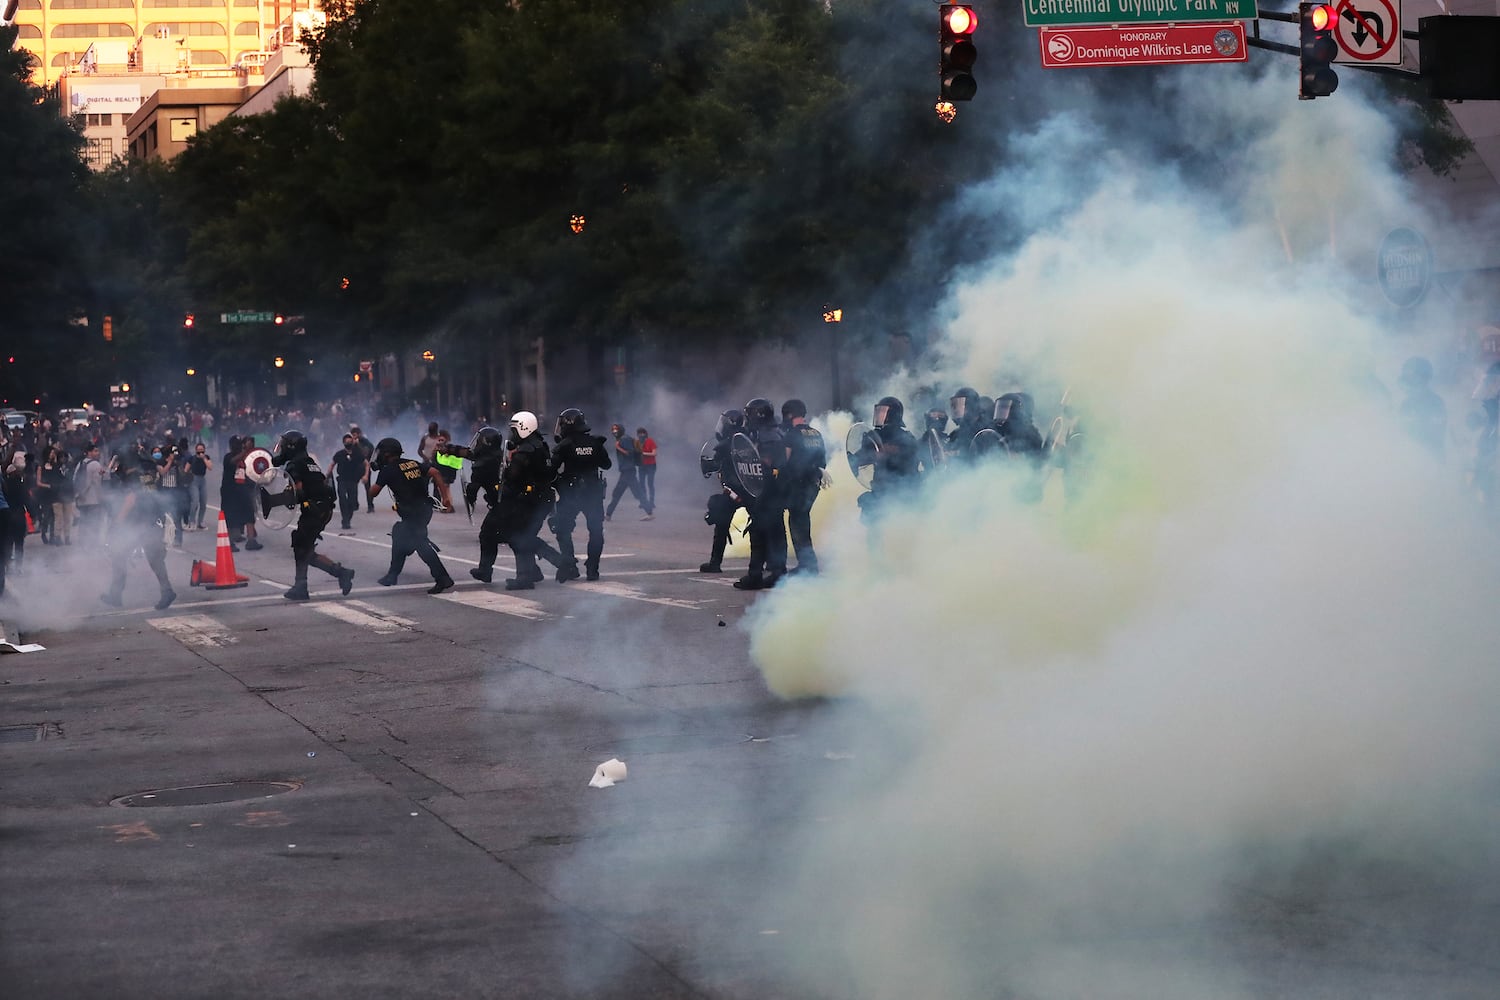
{"x": 74, "y": 419}
{"x": 17, "y": 419}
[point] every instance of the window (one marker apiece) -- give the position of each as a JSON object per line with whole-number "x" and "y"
{"x": 182, "y": 3}
{"x": 30, "y": 31}
{"x": 93, "y": 31}
{"x": 247, "y": 28}
{"x": 90, "y": 4}
{"x": 182, "y": 128}
{"x": 98, "y": 152}
{"x": 244, "y": 3}
{"x": 93, "y": 121}
{"x": 190, "y": 28}
{"x": 30, "y": 5}
{"x": 208, "y": 57}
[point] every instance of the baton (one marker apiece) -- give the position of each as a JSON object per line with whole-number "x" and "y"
{"x": 463, "y": 484}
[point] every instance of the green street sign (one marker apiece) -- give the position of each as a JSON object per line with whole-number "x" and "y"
{"x": 247, "y": 317}
{"x": 1067, "y": 13}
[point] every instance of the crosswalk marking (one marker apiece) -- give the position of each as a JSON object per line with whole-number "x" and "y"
{"x": 366, "y": 616}
{"x": 195, "y": 630}
{"x": 631, "y": 593}
{"x": 487, "y": 600}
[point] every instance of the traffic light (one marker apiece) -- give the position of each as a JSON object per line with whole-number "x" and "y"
{"x": 108, "y": 329}
{"x": 1319, "y": 49}
{"x": 187, "y": 321}
{"x": 956, "y": 51}
{"x": 280, "y": 319}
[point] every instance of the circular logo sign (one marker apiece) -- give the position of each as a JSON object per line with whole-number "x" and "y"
{"x": 1060, "y": 47}
{"x": 1405, "y": 267}
{"x": 1226, "y": 43}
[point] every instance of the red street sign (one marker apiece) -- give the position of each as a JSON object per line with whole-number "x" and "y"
{"x": 1143, "y": 45}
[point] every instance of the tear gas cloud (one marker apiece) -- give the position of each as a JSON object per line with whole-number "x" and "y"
{"x": 1258, "y": 618}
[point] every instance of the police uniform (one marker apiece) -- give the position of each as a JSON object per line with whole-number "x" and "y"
{"x": 525, "y": 502}
{"x": 487, "y": 455}
{"x": 896, "y": 463}
{"x": 578, "y": 465}
{"x": 407, "y": 479}
{"x": 139, "y": 522}
{"x": 767, "y": 524}
{"x": 311, "y": 493}
{"x": 731, "y": 496}
{"x": 804, "y": 478}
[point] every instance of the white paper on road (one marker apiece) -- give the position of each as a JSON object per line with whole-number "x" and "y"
{"x": 503, "y": 603}
{"x": 608, "y": 773}
{"x": 25, "y": 647}
{"x": 195, "y": 630}
{"x": 365, "y": 616}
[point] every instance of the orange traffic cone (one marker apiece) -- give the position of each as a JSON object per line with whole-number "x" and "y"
{"x": 224, "y": 575}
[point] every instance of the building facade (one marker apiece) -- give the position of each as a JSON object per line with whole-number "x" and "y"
{"x": 205, "y": 33}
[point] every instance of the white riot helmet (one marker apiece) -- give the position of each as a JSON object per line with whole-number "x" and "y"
{"x": 523, "y": 424}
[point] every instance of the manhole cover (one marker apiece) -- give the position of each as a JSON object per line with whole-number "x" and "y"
{"x": 668, "y": 743}
{"x": 32, "y": 733}
{"x": 203, "y": 795}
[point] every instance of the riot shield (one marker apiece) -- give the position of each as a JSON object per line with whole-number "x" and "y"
{"x": 934, "y": 453}
{"x": 707, "y": 463}
{"x": 748, "y": 468}
{"x": 861, "y": 446}
{"x": 988, "y": 443}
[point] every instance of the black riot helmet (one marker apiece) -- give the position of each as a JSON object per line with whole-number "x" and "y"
{"x": 888, "y": 413}
{"x": 1013, "y": 406}
{"x": 759, "y": 414}
{"x": 487, "y": 442}
{"x": 291, "y": 445}
{"x": 387, "y": 450}
{"x": 964, "y": 405}
{"x": 730, "y": 423}
{"x": 570, "y": 421}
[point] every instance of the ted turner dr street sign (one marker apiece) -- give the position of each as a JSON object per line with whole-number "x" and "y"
{"x": 1143, "y": 45}
{"x": 1062, "y": 13}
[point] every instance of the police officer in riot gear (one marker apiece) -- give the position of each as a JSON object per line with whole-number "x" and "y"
{"x": 408, "y": 479}
{"x": 970, "y": 417}
{"x": 1014, "y": 423}
{"x": 309, "y": 488}
{"x": 526, "y": 500}
{"x": 486, "y": 452}
{"x": 896, "y": 458}
{"x": 804, "y": 478}
{"x": 138, "y": 522}
{"x": 731, "y": 495}
{"x": 767, "y": 524}
{"x": 578, "y": 464}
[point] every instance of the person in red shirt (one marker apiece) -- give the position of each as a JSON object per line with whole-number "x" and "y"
{"x": 648, "y": 466}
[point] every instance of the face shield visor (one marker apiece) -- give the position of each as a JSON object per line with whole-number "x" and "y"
{"x": 729, "y": 423}
{"x": 958, "y": 406}
{"x": 881, "y": 412}
{"x": 1002, "y": 409}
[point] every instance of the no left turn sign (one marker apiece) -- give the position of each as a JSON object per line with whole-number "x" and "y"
{"x": 1369, "y": 32}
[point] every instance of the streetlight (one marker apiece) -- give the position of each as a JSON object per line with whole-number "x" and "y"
{"x": 192, "y": 371}
{"x": 833, "y": 317}
{"x": 279, "y": 362}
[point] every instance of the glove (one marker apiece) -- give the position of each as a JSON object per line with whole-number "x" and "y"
{"x": 471, "y": 494}
{"x": 825, "y": 480}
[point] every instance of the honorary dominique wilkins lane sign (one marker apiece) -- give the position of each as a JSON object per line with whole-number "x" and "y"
{"x": 1142, "y": 45}
{"x": 1057, "y": 13}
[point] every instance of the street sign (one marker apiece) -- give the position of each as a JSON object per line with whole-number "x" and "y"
{"x": 1143, "y": 45}
{"x": 1405, "y": 267}
{"x": 1066, "y": 13}
{"x": 1369, "y": 32}
{"x": 247, "y": 317}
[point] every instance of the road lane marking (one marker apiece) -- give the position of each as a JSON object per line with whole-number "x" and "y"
{"x": 365, "y": 616}
{"x": 487, "y": 600}
{"x": 632, "y": 594}
{"x": 195, "y": 630}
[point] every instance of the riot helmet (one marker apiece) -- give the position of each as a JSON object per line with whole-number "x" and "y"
{"x": 937, "y": 419}
{"x": 889, "y": 413}
{"x": 964, "y": 405}
{"x": 570, "y": 421}
{"x": 522, "y": 425}
{"x": 291, "y": 445}
{"x": 759, "y": 414}
{"x": 487, "y": 442}
{"x": 387, "y": 450}
{"x": 731, "y": 422}
{"x": 1417, "y": 371}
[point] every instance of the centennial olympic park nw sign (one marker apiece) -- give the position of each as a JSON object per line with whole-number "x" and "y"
{"x": 1066, "y": 13}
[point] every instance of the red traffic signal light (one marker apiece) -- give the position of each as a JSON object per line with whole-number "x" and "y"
{"x": 956, "y": 52}
{"x": 187, "y": 321}
{"x": 1318, "y": 51}
{"x": 280, "y": 319}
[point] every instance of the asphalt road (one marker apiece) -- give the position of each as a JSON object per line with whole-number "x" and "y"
{"x": 434, "y": 833}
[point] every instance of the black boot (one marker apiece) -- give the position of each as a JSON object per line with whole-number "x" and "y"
{"x": 750, "y": 581}
{"x": 710, "y": 567}
{"x": 346, "y": 580}
{"x": 298, "y": 591}
{"x": 481, "y": 574}
{"x": 441, "y": 584}
{"x": 567, "y": 571}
